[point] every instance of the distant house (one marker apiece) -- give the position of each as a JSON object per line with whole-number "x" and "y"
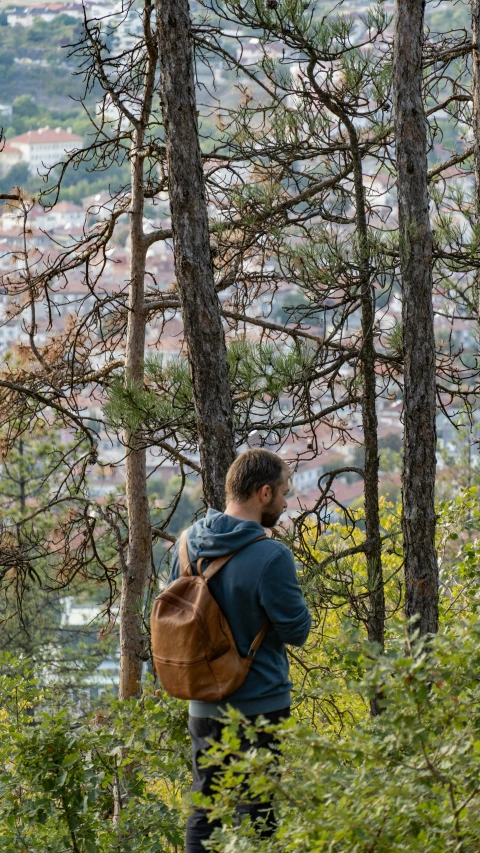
{"x": 9, "y": 156}
{"x": 306, "y": 477}
{"x": 40, "y": 148}
{"x": 25, "y": 16}
{"x": 65, "y": 215}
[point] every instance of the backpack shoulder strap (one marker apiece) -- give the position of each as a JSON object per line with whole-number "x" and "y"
{"x": 216, "y": 565}
{"x": 212, "y": 570}
{"x": 258, "y": 639}
{"x": 184, "y": 561}
{"x": 213, "y": 567}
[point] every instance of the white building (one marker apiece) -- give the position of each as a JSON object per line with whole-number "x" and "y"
{"x": 42, "y": 148}
{"x": 64, "y": 215}
{"x": 307, "y": 474}
{"x": 9, "y": 157}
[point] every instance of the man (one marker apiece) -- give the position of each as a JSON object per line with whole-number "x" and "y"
{"x": 258, "y": 583}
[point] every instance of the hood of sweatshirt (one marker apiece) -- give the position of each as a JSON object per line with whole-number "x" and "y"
{"x": 218, "y": 534}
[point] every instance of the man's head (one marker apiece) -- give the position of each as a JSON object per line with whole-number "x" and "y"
{"x": 259, "y": 478}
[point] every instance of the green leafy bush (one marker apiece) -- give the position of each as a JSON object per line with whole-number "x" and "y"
{"x": 109, "y": 781}
{"x": 407, "y": 781}
{"x": 116, "y": 779}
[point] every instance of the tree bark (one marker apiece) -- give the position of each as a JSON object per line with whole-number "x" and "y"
{"x": 200, "y": 306}
{"x": 421, "y": 569}
{"x": 136, "y": 567}
{"x": 476, "y": 126}
{"x": 376, "y": 620}
{"x": 135, "y": 571}
{"x": 373, "y": 544}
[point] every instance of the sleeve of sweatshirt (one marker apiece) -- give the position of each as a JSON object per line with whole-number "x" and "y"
{"x": 282, "y": 599}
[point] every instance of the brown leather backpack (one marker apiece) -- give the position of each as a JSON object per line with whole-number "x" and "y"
{"x": 194, "y": 652}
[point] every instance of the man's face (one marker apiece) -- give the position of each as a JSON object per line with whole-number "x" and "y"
{"x": 277, "y": 504}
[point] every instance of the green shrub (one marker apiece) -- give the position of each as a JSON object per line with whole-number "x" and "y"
{"x": 407, "y": 781}
{"x": 62, "y": 773}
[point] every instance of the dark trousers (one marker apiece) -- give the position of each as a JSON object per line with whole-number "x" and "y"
{"x": 203, "y": 729}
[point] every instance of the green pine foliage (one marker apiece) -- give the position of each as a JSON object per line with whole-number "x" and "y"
{"x": 260, "y": 374}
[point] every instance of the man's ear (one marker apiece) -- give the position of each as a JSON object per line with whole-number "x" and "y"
{"x": 264, "y": 493}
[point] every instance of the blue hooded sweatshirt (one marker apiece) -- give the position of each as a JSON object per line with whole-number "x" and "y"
{"x": 257, "y": 584}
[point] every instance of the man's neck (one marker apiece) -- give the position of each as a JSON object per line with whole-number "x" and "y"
{"x": 244, "y": 511}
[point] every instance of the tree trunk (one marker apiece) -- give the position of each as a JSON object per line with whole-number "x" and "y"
{"x": 421, "y": 569}
{"x": 373, "y": 545}
{"x": 136, "y": 567}
{"x": 135, "y": 571}
{"x": 22, "y": 482}
{"x": 204, "y": 333}
{"x": 476, "y": 126}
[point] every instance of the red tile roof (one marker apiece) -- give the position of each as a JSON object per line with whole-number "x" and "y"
{"x": 43, "y": 135}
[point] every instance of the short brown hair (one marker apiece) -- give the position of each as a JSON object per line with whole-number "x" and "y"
{"x": 252, "y": 470}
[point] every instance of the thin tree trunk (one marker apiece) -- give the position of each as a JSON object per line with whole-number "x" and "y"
{"x": 23, "y": 502}
{"x": 376, "y": 623}
{"x": 134, "y": 577}
{"x": 421, "y": 568}
{"x": 373, "y": 544}
{"x": 204, "y": 333}
{"x": 136, "y": 567}
{"x": 476, "y": 127}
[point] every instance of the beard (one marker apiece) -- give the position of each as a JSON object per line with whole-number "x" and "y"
{"x": 270, "y": 517}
